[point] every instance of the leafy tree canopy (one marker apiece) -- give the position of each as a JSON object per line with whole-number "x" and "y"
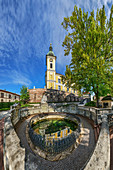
{"x": 90, "y": 40}
{"x": 24, "y": 94}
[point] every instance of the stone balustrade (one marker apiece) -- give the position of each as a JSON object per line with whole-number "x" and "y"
{"x": 14, "y": 154}
{"x": 100, "y": 158}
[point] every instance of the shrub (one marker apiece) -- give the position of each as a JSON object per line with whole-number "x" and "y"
{"x": 91, "y": 103}
{"x": 34, "y": 102}
{"x": 6, "y": 104}
{"x": 4, "y": 109}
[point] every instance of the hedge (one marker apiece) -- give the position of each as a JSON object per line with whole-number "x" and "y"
{"x": 91, "y": 103}
{"x": 6, "y": 104}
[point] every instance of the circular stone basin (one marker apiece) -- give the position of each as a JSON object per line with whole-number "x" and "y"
{"x": 53, "y": 134}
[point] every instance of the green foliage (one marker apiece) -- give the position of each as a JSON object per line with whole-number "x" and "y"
{"x": 6, "y": 105}
{"x": 34, "y": 102}
{"x": 91, "y": 103}
{"x": 55, "y": 125}
{"x": 90, "y": 41}
{"x": 26, "y": 105}
{"x": 24, "y": 94}
{"x": 4, "y": 109}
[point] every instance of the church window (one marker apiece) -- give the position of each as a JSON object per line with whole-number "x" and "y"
{"x": 59, "y": 80}
{"x": 59, "y": 134}
{"x": 59, "y": 88}
{"x": 51, "y": 77}
{"x": 51, "y": 65}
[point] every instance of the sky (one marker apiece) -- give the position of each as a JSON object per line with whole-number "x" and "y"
{"x": 27, "y": 27}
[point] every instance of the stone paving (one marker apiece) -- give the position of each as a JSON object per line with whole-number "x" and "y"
{"x": 74, "y": 161}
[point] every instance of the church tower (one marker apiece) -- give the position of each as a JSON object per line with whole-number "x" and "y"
{"x": 50, "y": 75}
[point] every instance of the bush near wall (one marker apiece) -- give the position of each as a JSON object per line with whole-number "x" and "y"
{"x": 91, "y": 103}
{"x": 5, "y": 105}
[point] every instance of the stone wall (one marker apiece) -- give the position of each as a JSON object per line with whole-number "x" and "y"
{"x": 101, "y": 156}
{"x": 36, "y": 94}
{"x": 52, "y": 95}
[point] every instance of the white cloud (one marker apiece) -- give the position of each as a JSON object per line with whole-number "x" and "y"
{"x": 27, "y": 28}
{"x": 14, "y": 77}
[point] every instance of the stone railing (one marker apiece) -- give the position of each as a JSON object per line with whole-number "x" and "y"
{"x": 100, "y": 158}
{"x": 53, "y": 145}
{"x": 14, "y": 154}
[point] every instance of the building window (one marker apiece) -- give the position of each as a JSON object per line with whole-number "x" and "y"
{"x": 59, "y": 134}
{"x": 35, "y": 96}
{"x": 59, "y": 80}
{"x": 68, "y": 89}
{"x": 2, "y": 95}
{"x": 15, "y": 97}
{"x": 59, "y": 88}
{"x": 9, "y": 96}
{"x": 51, "y": 77}
{"x": 51, "y": 65}
{"x": 1, "y": 100}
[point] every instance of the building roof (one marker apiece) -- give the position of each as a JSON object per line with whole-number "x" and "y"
{"x": 59, "y": 74}
{"x": 9, "y": 92}
{"x": 107, "y": 98}
{"x": 50, "y": 53}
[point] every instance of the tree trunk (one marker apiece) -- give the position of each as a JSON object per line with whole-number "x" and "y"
{"x": 97, "y": 99}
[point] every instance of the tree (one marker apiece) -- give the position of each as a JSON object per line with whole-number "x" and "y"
{"x": 24, "y": 94}
{"x": 90, "y": 41}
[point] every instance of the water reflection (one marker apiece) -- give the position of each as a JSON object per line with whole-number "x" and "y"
{"x": 54, "y": 129}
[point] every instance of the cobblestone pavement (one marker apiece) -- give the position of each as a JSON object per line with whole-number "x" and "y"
{"x": 111, "y": 148}
{"x": 1, "y": 144}
{"x": 74, "y": 161}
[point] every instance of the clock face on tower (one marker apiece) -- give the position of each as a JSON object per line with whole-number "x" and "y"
{"x": 51, "y": 60}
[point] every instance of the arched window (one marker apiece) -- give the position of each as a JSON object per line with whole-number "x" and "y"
{"x": 51, "y": 65}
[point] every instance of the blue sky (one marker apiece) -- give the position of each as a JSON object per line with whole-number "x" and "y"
{"x": 27, "y": 27}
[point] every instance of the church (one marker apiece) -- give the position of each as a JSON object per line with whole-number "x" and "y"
{"x": 53, "y": 81}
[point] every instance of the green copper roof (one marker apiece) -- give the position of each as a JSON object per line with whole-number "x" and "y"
{"x": 50, "y": 53}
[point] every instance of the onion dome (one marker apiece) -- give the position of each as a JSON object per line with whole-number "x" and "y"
{"x": 50, "y": 53}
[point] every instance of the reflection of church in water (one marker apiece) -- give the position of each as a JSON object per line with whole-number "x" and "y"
{"x": 56, "y": 135}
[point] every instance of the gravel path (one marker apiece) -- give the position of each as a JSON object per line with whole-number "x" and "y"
{"x": 74, "y": 161}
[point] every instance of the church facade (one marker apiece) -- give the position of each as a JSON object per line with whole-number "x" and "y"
{"x": 53, "y": 79}
{"x": 54, "y": 88}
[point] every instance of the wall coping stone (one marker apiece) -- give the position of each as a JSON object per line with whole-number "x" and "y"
{"x": 101, "y": 155}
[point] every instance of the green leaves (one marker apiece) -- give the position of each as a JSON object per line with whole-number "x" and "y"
{"x": 24, "y": 94}
{"x": 90, "y": 41}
